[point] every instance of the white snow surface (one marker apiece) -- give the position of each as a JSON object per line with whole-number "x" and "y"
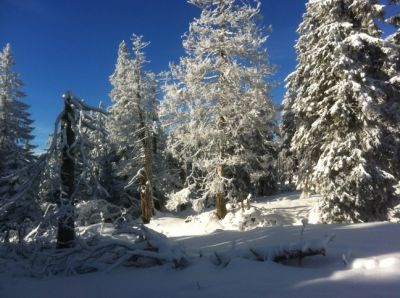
{"x": 362, "y": 261}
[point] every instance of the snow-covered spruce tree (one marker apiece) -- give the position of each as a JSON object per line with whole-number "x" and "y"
{"x": 393, "y": 43}
{"x": 17, "y": 192}
{"x": 217, "y": 104}
{"x": 132, "y": 122}
{"x": 121, "y": 125}
{"x": 340, "y": 97}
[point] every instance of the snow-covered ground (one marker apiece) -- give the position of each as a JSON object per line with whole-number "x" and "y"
{"x": 276, "y": 210}
{"x": 362, "y": 261}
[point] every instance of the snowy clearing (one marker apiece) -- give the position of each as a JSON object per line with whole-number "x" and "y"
{"x": 362, "y": 261}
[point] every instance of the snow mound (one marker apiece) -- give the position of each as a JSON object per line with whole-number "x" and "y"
{"x": 279, "y": 253}
{"x": 376, "y": 263}
{"x": 237, "y": 219}
{"x": 206, "y": 222}
{"x": 243, "y": 219}
{"x": 314, "y": 215}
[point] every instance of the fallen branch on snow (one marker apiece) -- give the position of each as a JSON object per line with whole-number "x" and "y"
{"x": 295, "y": 251}
{"x": 120, "y": 247}
{"x": 277, "y": 254}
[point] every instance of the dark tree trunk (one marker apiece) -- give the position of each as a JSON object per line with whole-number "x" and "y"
{"x": 66, "y": 224}
{"x": 146, "y": 185}
{"x": 146, "y": 196}
{"x": 145, "y": 201}
{"x": 220, "y": 203}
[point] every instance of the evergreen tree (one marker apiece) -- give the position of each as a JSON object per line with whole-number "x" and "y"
{"x": 343, "y": 111}
{"x": 121, "y": 124}
{"x": 16, "y": 189}
{"x": 218, "y": 106}
{"x": 132, "y": 122}
{"x": 394, "y": 73}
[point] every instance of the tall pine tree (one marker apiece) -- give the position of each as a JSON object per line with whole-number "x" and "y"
{"x": 132, "y": 122}
{"x": 343, "y": 111}
{"x": 16, "y": 189}
{"x": 394, "y": 73}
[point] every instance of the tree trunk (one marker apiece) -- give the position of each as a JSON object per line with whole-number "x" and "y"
{"x": 146, "y": 194}
{"x": 66, "y": 224}
{"x": 220, "y": 203}
{"x": 145, "y": 201}
{"x": 146, "y": 181}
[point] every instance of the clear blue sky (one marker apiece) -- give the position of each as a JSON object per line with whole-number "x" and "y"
{"x": 72, "y": 44}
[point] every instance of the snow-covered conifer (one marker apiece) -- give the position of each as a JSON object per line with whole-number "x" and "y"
{"x": 16, "y": 191}
{"x": 217, "y": 104}
{"x": 132, "y": 122}
{"x": 393, "y": 70}
{"x": 339, "y": 95}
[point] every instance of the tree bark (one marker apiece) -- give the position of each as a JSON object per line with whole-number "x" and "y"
{"x": 145, "y": 201}
{"x": 147, "y": 195}
{"x": 66, "y": 224}
{"x": 220, "y": 203}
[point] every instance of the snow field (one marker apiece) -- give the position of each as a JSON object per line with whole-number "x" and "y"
{"x": 362, "y": 261}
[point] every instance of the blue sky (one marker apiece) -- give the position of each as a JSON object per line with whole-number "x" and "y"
{"x": 72, "y": 44}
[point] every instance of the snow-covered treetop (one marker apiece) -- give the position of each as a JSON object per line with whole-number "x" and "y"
{"x": 120, "y": 93}
{"x": 15, "y": 120}
{"x": 133, "y": 114}
{"x": 9, "y": 81}
{"x": 133, "y": 90}
{"x": 229, "y": 26}
{"x": 355, "y": 14}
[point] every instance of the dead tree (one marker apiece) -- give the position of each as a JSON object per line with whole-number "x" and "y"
{"x": 66, "y": 225}
{"x": 74, "y": 121}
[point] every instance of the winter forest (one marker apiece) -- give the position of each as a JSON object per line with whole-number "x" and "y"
{"x": 194, "y": 179}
